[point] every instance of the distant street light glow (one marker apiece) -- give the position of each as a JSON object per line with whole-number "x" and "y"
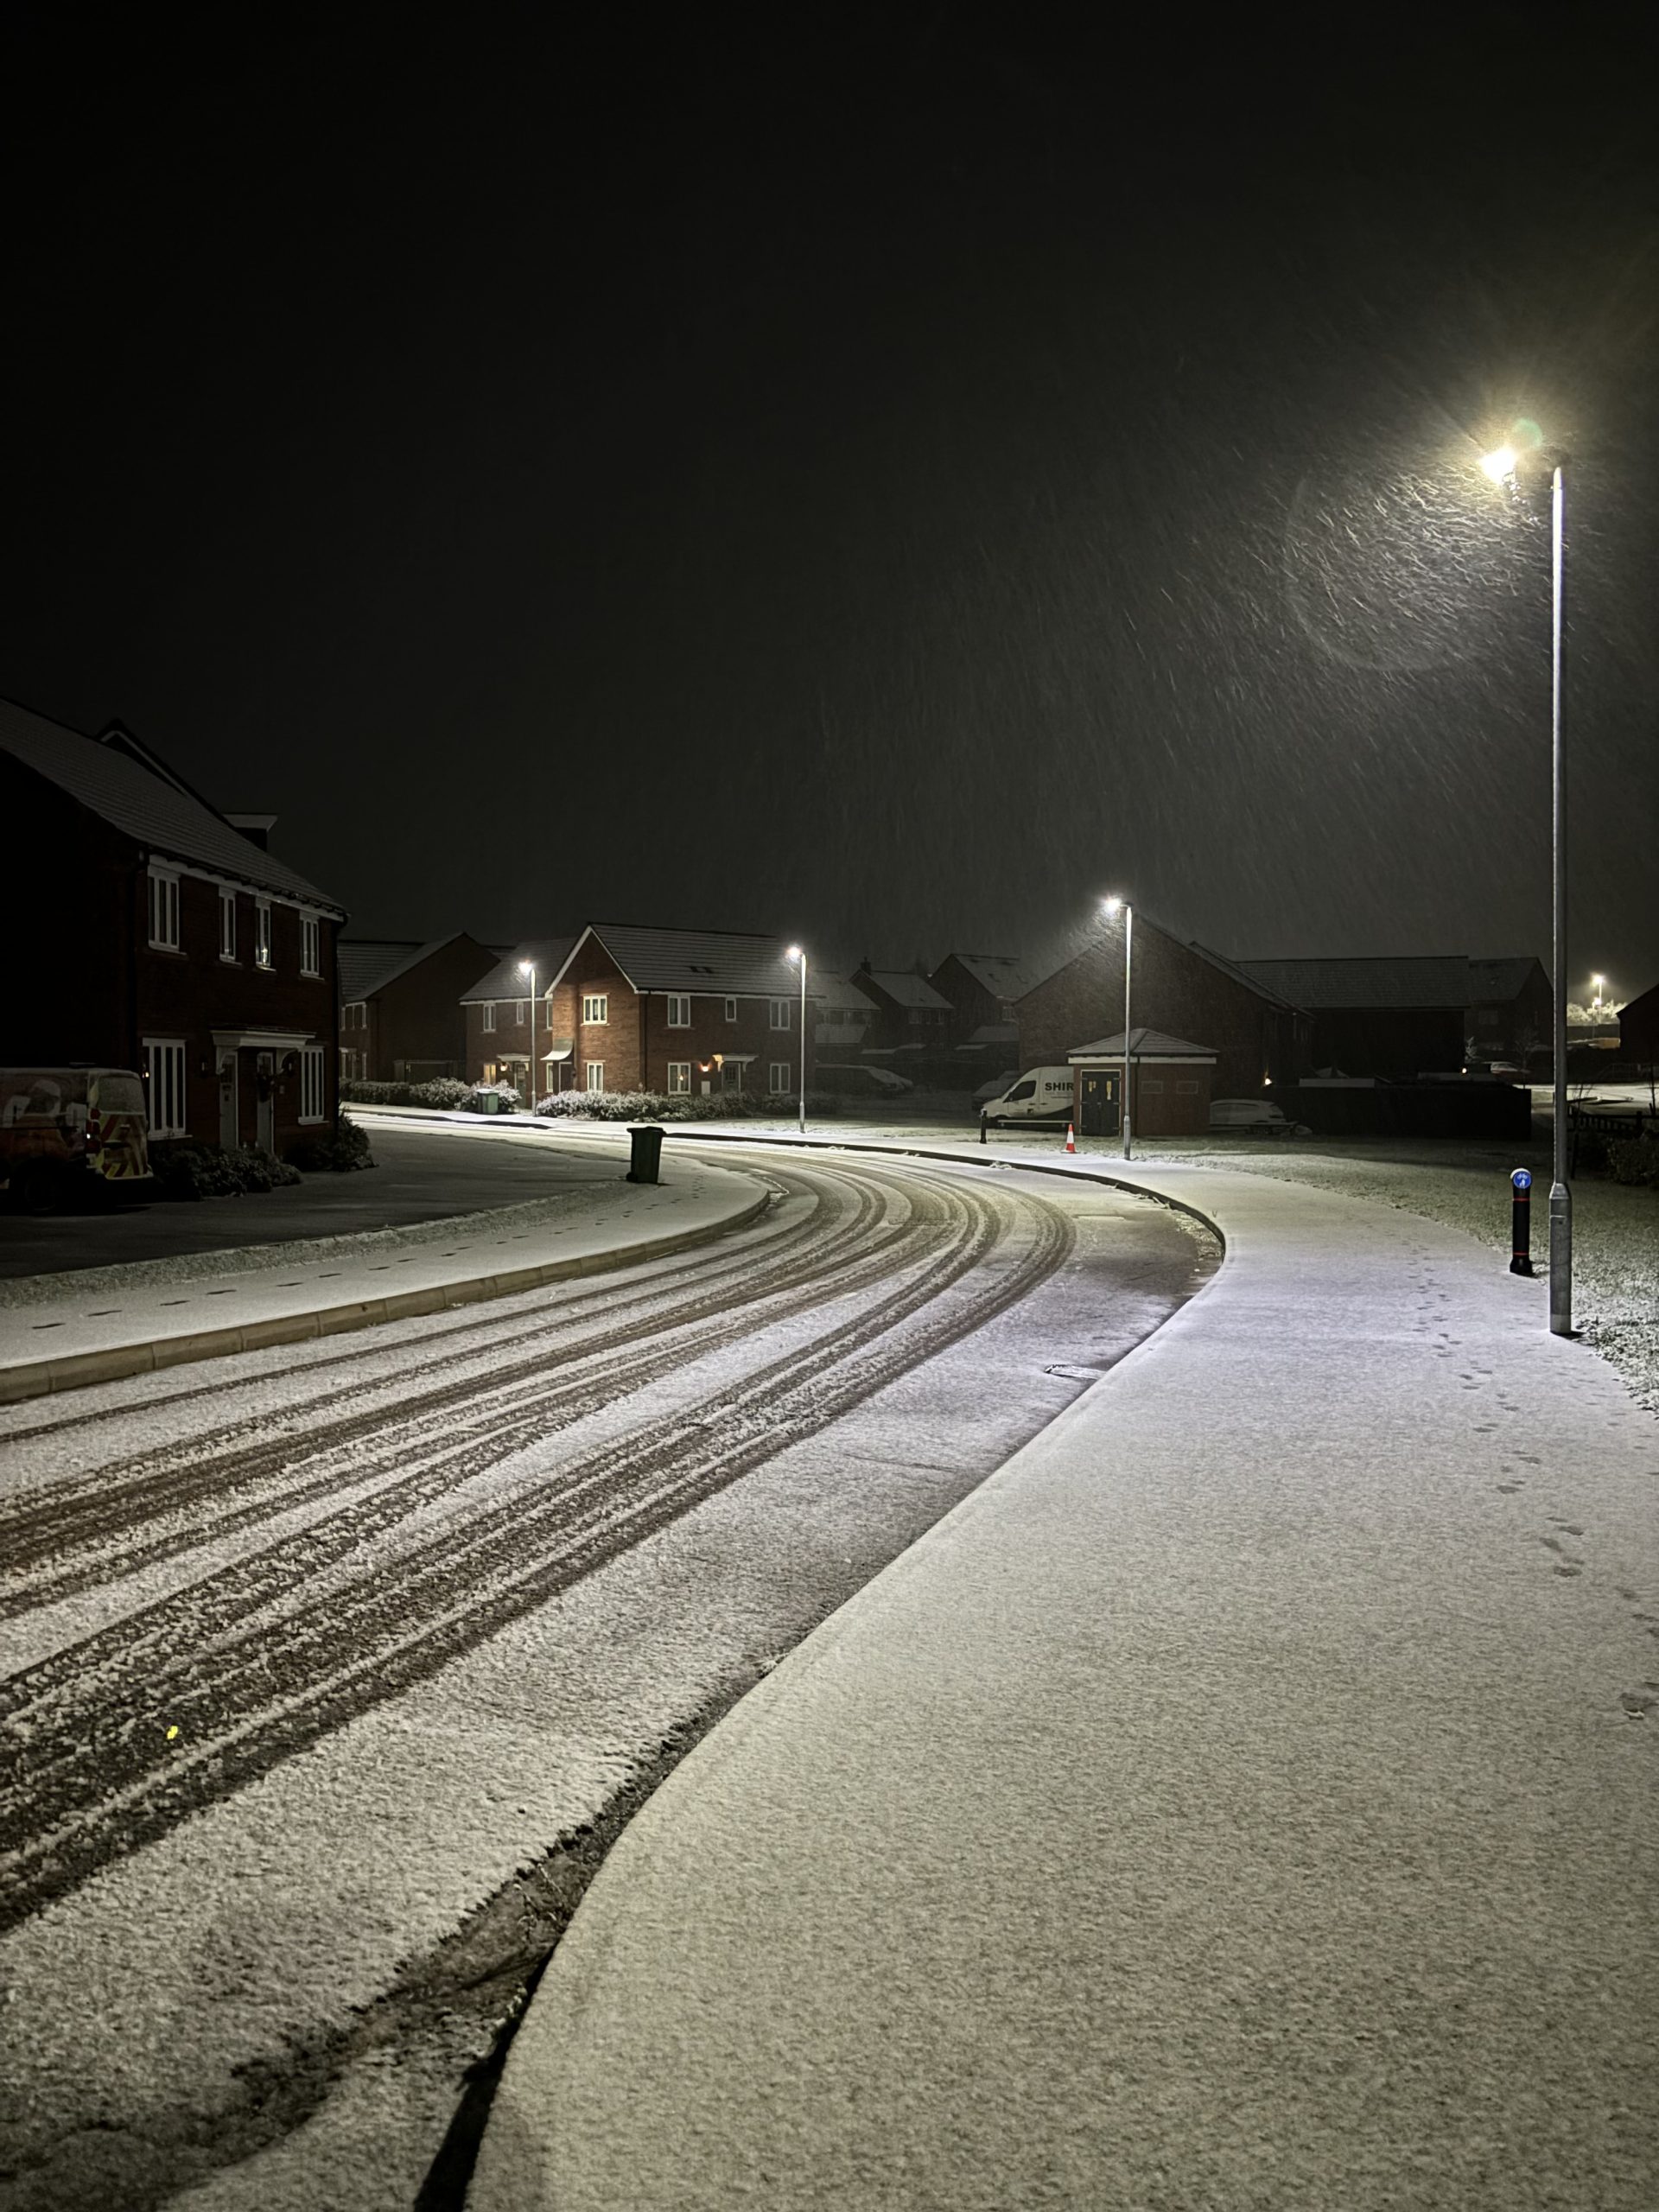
{"x": 1500, "y": 465}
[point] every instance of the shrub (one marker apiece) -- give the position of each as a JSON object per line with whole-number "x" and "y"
{"x": 1634, "y": 1159}
{"x": 185, "y": 1169}
{"x": 442, "y": 1091}
{"x": 336, "y": 1151}
{"x": 656, "y": 1106}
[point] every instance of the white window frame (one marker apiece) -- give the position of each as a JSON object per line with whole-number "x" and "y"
{"x": 226, "y": 924}
{"x": 784, "y": 1088}
{"x": 679, "y": 1078}
{"x": 599, "y": 1000}
{"x": 166, "y": 1102}
{"x": 679, "y": 1009}
{"x": 313, "y": 1089}
{"x": 593, "y": 1075}
{"x": 780, "y": 1013}
{"x": 487, "y": 1020}
{"x": 164, "y": 909}
{"x": 265, "y": 936}
{"x": 731, "y": 1009}
{"x": 310, "y": 945}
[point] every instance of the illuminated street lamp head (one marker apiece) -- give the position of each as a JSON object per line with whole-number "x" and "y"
{"x": 1111, "y": 906}
{"x": 794, "y": 953}
{"x": 524, "y": 967}
{"x": 1500, "y": 465}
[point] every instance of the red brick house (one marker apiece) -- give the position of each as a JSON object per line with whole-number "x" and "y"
{"x": 1259, "y": 1039}
{"x": 401, "y": 1018}
{"x": 984, "y": 989}
{"x": 621, "y": 1007}
{"x": 911, "y": 1032}
{"x": 164, "y": 938}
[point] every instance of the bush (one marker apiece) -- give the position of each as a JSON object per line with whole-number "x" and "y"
{"x": 185, "y": 1169}
{"x": 442, "y": 1091}
{"x": 656, "y": 1106}
{"x": 1634, "y": 1159}
{"x": 335, "y": 1152}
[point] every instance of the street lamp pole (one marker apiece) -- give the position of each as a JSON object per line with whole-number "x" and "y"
{"x": 1560, "y": 1195}
{"x": 528, "y": 968}
{"x": 1111, "y": 906}
{"x": 798, "y": 952}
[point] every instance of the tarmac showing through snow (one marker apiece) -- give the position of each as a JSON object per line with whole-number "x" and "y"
{"x": 308, "y": 1659}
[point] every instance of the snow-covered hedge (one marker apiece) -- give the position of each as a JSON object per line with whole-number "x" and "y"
{"x": 442, "y": 1091}
{"x": 658, "y": 1106}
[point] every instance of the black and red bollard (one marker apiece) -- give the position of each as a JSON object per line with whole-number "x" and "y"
{"x": 1521, "y": 1223}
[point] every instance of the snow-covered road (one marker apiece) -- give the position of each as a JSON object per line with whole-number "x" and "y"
{"x": 306, "y": 1662}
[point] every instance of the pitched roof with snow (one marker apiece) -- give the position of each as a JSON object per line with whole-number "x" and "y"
{"x": 156, "y": 811}
{"x": 905, "y": 988}
{"x": 1004, "y": 975}
{"x": 1144, "y": 1044}
{"x": 1408, "y": 983}
{"x": 368, "y": 964}
{"x": 547, "y": 954}
{"x": 838, "y": 995}
{"x": 728, "y": 962}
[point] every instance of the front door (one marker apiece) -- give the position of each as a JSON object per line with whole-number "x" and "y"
{"x": 265, "y": 1085}
{"x": 230, "y": 1126}
{"x": 1100, "y": 1113}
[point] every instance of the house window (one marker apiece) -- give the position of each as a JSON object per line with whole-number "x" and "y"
{"x": 164, "y": 1085}
{"x": 596, "y": 1007}
{"x": 164, "y": 910}
{"x": 310, "y": 945}
{"x": 262, "y": 933}
{"x": 489, "y": 1016}
{"x": 227, "y": 925}
{"x": 778, "y": 1085}
{"x": 354, "y": 1015}
{"x": 679, "y": 1010}
{"x": 731, "y": 1009}
{"x": 595, "y": 1070}
{"x": 312, "y": 1093}
{"x": 780, "y": 1013}
{"x": 489, "y": 1070}
{"x": 679, "y": 1078}
{"x": 519, "y": 1013}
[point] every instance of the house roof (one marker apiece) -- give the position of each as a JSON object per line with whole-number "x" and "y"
{"x": 1505, "y": 977}
{"x": 904, "y": 987}
{"x": 156, "y": 810}
{"x": 1004, "y": 975}
{"x": 1085, "y": 937}
{"x": 728, "y": 963}
{"x": 1144, "y": 1044}
{"x": 1405, "y": 983}
{"x": 546, "y": 954}
{"x": 838, "y": 995}
{"x": 368, "y": 964}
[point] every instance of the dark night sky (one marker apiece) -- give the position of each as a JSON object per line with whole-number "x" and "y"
{"x": 884, "y": 475}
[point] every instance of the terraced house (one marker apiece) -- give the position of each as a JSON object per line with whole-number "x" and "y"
{"x": 162, "y": 936}
{"x": 618, "y": 1006}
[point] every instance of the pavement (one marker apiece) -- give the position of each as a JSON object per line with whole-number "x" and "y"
{"x": 1243, "y": 1800}
{"x": 577, "y": 1216}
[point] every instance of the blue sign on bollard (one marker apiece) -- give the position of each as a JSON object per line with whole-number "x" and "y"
{"x": 1521, "y": 1222}
{"x": 1521, "y": 1179}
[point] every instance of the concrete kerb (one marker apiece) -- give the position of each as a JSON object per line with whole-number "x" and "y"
{"x": 111, "y": 1364}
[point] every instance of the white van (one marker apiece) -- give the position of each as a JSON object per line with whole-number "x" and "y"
{"x": 1040, "y": 1095}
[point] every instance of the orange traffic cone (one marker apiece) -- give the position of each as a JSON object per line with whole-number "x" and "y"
{"x": 1070, "y": 1139}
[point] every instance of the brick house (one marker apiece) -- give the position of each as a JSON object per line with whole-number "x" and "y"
{"x": 1638, "y": 1029}
{"x": 984, "y": 989}
{"x": 1259, "y": 1039}
{"x": 166, "y": 940}
{"x": 401, "y": 1018}
{"x": 1396, "y": 1018}
{"x": 622, "y": 1008}
{"x": 912, "y": 1030}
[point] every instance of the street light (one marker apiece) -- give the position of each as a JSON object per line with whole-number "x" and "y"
{"x": 528, "y": 968}
{"x": 1110, "y": 907}
{"x": 798, "y": 952}
{"x": 1501, "y": 467}
{"x": 1598, "y": 980}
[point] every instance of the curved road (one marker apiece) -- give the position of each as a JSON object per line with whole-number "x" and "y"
{"x": 241, "y": 1614}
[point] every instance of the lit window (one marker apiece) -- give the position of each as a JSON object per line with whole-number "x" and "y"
{"x": 595, "y": 1072}
{"x": 596, "y": 1007}
{"x": 312, "y": 1093}
{"x": 779, "y": 1084}
{"x": 227, "y": 925}
{"x": 262, "y": 933}
{"x": 310, "y": 945}
{"x": 780, "y": 1013}
{"x": 489, "y": 1017}
{"x": 164, "y": 1086}
{"x": 679, "y": 1010}
{"x": 679, "y": 1078}
{"x": 164, "y": 910}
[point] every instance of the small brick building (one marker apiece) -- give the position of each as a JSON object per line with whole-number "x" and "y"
{"x": 164, "y": 938}
{"x": 401, "y": 1019}
{"x": 618, "y": 1006}
{"x": 1169, "y": 1085}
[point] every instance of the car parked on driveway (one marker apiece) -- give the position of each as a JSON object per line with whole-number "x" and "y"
{"x": 1259, "y": 1116}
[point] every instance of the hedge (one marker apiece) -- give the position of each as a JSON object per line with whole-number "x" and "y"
{"x": 185, "y": 1169}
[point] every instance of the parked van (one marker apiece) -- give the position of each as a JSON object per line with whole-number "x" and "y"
{"x": 1040, "y": 1095}
{"x": 69, "y": 1131}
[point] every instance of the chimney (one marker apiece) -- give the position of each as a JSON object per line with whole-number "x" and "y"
{"x": 256, "y": 828}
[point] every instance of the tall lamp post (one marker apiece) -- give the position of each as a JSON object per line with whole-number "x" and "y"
{"x": 798, "y": 953}
{"x": 528, "y": 968}
{"x": 1501, "y": 467}
{"x": 1108, "y": 907}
